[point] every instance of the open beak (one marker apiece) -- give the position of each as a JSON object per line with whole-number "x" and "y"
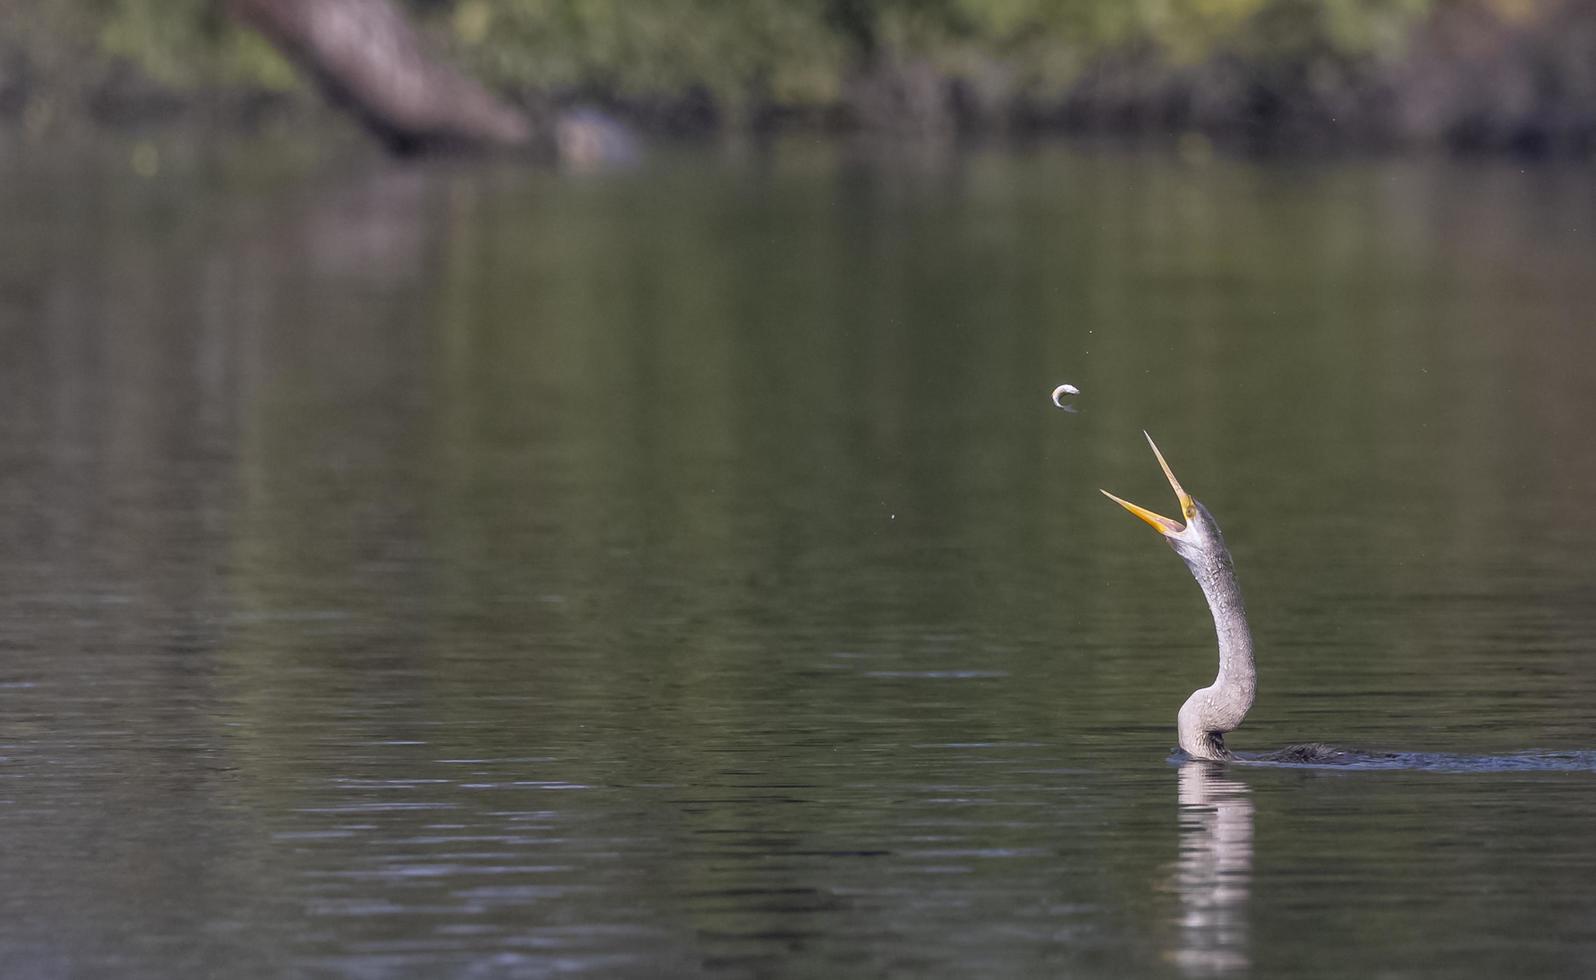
{"x": 1163, "y": 524}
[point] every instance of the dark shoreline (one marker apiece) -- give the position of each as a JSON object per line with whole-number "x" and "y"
{"x": 1468, "y": 81}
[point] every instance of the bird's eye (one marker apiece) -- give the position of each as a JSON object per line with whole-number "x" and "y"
{"x": 1191, "y": 511}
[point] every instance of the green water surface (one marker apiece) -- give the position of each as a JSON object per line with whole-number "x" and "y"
{"x": 468, "y": 570}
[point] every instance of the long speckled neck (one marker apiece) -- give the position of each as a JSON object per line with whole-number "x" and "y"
{"x": 1219, "y": 708}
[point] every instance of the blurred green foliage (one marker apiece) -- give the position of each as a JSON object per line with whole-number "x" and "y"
{"x": 781, "y": 50}
{"x": 183, "y": 43}
{"x": 802, "y": 51}
{"x": 1472, "y": 72}
{"x": 752, "y": 51}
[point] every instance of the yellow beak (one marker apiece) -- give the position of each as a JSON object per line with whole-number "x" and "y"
{"x": 1163, "y": 524}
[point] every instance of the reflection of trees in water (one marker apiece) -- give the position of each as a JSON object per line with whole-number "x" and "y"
{"x": 1213, "y": 876}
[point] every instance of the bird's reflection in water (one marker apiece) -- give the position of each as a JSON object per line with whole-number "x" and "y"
{"x": 1214, "y": 873}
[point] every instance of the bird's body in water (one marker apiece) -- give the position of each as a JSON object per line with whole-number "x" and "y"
{"x": 1213, "y": 711}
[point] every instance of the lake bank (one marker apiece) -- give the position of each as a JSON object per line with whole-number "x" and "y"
{"x": 1487, "y": 75}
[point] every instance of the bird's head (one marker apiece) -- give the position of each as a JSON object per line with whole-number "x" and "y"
{"x": 1197, "y": 541}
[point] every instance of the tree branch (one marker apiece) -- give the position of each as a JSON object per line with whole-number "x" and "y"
{"x": 367, "y": 58}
